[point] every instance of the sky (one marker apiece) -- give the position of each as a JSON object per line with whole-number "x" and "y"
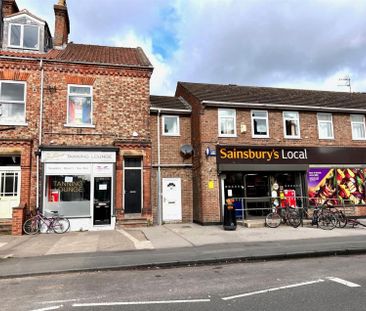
{"x": 311, "y": 44}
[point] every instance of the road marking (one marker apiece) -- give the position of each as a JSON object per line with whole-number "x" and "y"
{"x": 7, "y": 256}
{"x": 264, "y": 291}
{"x": 3, "y": 244}
{"x": 127, "y": 303}
{"x": 49, "y": 308}
{"x": 343, "y": 282}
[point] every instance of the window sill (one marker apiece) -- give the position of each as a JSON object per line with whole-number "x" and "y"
{"x": 326, "y": 138}
{"x": 359, "y": 139}
{"x": 80, "y": 125}
{"x": 171, "y": 135}
{"x": 265, "y": 137}
{"x": 289, "y": 137}
{"x": 13, "y": 124}
{"x": 228, "y": 136}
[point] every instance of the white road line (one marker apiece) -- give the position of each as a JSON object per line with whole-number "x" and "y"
{"x": 3, "y": 244}
{"x": 343, "y": 282}
{"x": 48, "y": 308}
{"x": 128, "y": 303}
{"x": 264, "y": 291}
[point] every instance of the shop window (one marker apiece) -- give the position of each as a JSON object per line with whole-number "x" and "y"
{"x": 24, "y": 36}
{"x": 325, "y": 126}
{"x": 80, "y": 105}
{"x": 260, "y": 124}
{"x": 70, "y": 195}
{"x": 171, "y": 125}
{"x": 227, "y": 122}
{"x": 291, "y": 124}
{"x": 12, "y": 102}
{"x": 9, "y": 184}
{"x": 358, "y": 127}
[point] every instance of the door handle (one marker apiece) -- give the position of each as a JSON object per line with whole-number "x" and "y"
{"x": 132, "y": 191}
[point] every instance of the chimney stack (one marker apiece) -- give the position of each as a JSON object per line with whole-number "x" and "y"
{"x": 62, "y": 24}
{"x": 9, "y": 7}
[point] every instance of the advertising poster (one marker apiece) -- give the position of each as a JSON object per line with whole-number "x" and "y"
{"x": 321, "y": 185}
{"x": 351, "y": 185}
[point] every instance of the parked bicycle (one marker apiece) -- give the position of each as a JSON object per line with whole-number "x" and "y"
{"x": 55, "y": 223}
{"x": 280, "y": 215}
{"x": 322, "y": 217}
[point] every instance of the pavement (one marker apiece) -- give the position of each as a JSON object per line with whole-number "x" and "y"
{"x": 169, "y": 245}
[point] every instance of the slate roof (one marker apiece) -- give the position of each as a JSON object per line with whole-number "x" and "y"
{"x": 90, "y": 54}
{"x": 169, "y": 103}
{"x": 277, "y": 97}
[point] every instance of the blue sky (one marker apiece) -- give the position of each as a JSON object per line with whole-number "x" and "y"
{"x": 280, "y": 43}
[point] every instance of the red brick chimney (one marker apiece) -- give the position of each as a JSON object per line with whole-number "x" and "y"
{"x": 62, "y": 24}
{"x": 9, "y": 7}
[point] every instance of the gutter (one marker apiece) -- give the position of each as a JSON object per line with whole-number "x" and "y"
{"x": 170, "y": 110}
{"x": 211, "y": 103}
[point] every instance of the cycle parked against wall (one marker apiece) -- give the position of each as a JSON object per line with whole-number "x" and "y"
{"x": 323, "y": 218}
{"x": 280, "y": 215}
{"x": 55, "y": 223}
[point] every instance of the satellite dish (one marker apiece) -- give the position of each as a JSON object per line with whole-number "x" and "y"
{"x": 186, "y": 150}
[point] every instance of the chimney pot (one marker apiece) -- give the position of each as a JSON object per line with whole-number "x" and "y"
{"x": 62, "y": 24}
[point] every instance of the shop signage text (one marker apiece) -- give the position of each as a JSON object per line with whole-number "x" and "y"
{"x": 78, "y": 156}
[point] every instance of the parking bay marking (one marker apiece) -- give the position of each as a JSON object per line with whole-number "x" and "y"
{"x": 343, "y": 282}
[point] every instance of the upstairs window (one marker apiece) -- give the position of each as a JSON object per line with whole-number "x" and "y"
{"x": 358, "y": 127}
{"x": 227, "y": 122}
{"x": 325, "y": 126}
{"x": 171, "y": 125}
{"x": 12, "y": 102}
{"x": 24, "y": 36}
{"x": 80, "y": 105}
{"x": 291, "y": 124}
{"x": 260, "y": 124}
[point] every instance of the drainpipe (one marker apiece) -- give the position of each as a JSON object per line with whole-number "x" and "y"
{"x": 38, "y": 199}
{"x": 159, "y": 173}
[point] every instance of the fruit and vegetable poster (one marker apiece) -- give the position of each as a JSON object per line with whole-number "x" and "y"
{"x": 321, "y": 185}
{"x": 351, "y": 185}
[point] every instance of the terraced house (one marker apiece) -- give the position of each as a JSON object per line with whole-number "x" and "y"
{"x": 74, "y": 125}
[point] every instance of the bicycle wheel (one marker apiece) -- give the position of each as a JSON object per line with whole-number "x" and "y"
{"x": 273, "y": 220}
{"x": 60, "y": 225}
{"x": 341, "y": 220}
{"x": 293, "y": 219}
{"x": 327, "y": 221}
{"x": 31, "y": 226}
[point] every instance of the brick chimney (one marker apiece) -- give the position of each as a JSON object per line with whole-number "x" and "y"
{"x": 9, "y": 7}
{"x": 62, "y": 24}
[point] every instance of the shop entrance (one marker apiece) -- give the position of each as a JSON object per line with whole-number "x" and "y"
{"x": 132, "y": 185}
{"x": 102, "y": 200}
{"x": 9, "y": 190}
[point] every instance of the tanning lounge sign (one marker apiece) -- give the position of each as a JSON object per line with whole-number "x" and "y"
{"x": 291, "y": 155}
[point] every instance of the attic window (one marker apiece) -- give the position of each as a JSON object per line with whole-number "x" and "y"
{"x": 24, "y": 36}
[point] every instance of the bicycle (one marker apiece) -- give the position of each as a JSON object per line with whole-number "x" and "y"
{"x": 323, "y": 218}
{"x": 54, "y": 223}
{"x": 289, "y": 216}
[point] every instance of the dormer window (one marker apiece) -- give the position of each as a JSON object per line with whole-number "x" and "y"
{"x": 24, "y": 36}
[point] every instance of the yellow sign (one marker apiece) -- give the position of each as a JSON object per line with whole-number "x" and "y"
{"x": 211, "y": 184}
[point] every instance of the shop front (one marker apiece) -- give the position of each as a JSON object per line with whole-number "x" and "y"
{"x": 80, "y": 186}
{"x": 258, "y": 178}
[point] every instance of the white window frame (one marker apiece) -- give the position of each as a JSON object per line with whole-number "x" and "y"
{"x": 297, "y": 123}
{"x": 262, "y": 118}
{"x": 233, "y": 118}
{"x": 2, "y": 122}
{"x": 323, "y": 121}
{"x": 358, "y": 122}
{"x": 163, "y": 125}
{"x": 68, "y": 123}
{"x": 21, "y": 46}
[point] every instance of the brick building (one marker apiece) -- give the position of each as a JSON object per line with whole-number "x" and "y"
{"x": 257, "y": 144}
{"x": 75, "y": 130}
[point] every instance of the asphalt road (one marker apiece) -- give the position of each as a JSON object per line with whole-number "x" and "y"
{"x": 327, "y": 283}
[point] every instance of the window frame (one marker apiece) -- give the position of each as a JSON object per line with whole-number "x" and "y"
{"x": 331, "y": 123}
{"x": 219, "y": 117}
{"x": 21, "y": 45}
{"x": 358, "y": 122}
{"x": 297, "y": 122}
{"x": 262, "y": 118}
{"x": 23, "y": 122}
{"x": 69, "y": 94}
{"x": 177, "y": 133}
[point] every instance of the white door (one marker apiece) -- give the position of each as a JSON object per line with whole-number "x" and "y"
{"x": 9, "y": 190}
{"x": 172, "y": 204}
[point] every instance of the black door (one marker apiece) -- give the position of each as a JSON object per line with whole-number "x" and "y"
{"x": 102, "y": 200}
{"x": 132, "y": 191}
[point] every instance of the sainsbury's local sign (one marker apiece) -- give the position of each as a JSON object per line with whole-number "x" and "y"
{"x": 293, "y": 155}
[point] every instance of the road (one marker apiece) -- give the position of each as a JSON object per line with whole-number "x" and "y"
{"x": 327, "y": 283}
